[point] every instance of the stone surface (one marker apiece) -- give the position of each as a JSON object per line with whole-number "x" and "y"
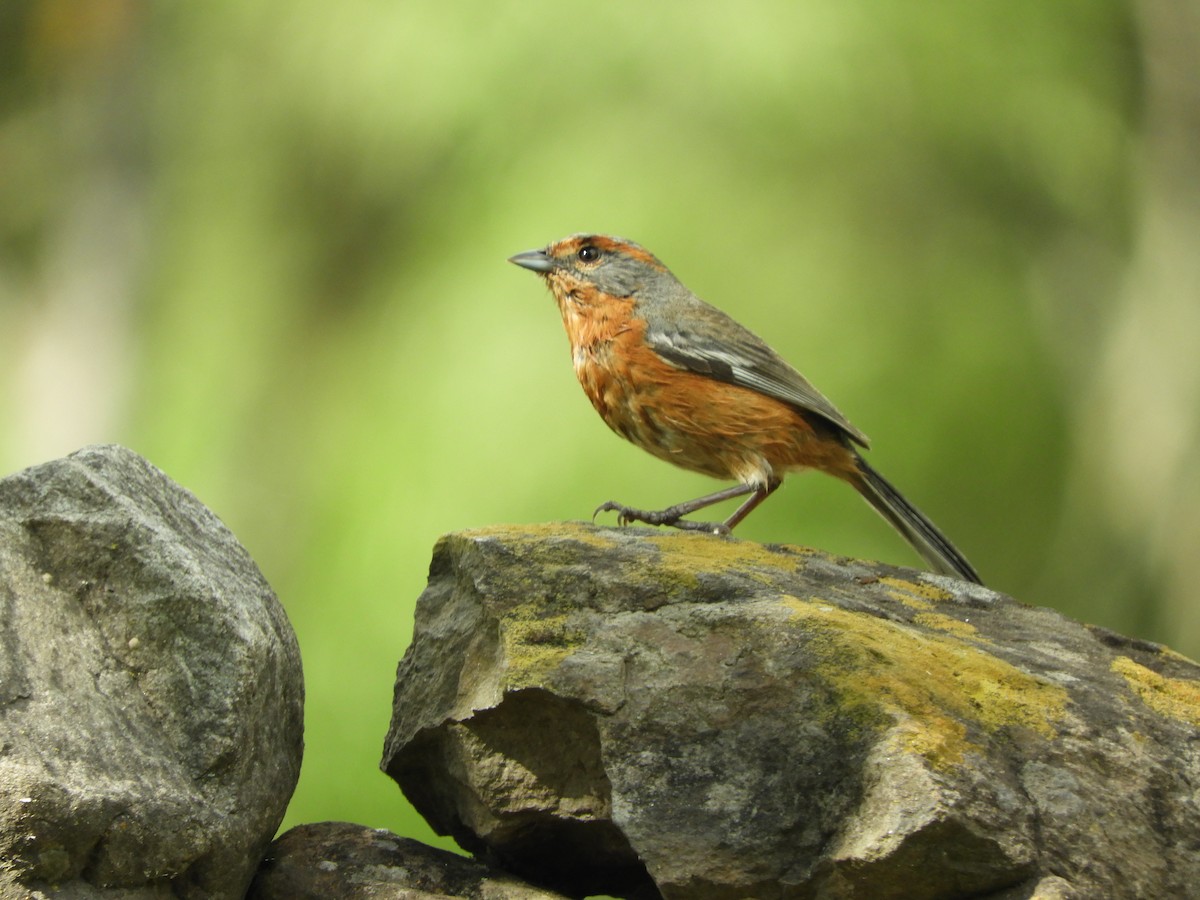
{"x": 150, "y": 689}
{"x": 340, "y": 861}
{"x": 633, "y": 712}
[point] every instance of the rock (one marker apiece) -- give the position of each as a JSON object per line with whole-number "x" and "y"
{"x": 635, "y": 712}
{"x": 150, "y": 689}
{"x": 340, "y": 861}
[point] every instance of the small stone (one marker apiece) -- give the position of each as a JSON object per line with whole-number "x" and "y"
{"x": 341, "y": 861}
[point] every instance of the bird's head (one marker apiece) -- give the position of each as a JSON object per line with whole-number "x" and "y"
{"x": 584, "y": 262}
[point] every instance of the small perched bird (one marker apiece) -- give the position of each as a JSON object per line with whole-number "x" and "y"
{"x": 684, "y": 381}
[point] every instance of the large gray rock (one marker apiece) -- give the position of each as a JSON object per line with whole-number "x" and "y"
{"x": 340, "y": 861}
{"x": 634, "y": 712}
{"x": 150, "y": 689}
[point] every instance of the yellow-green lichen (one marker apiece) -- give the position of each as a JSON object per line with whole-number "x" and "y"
{"x": 711, "y": 553}
{"x": 948, "y": 624}
{"x": 682, "y": 555}
{"x": 932, "y": 687}
{"x": 1174, "y": 697}
{"x": 539, "y": 533}
{"x": 534, "y": 644}
{"x": 914, "y": 594}
{"x": 685, "y": 556}
{"x": 681, "y": 559}
{"x": 924, "y": 597}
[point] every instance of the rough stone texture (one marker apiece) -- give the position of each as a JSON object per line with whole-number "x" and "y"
{"x": 150, "y": 689}
{"x": 625, "y": 711}
{"x": 340, "y": 861}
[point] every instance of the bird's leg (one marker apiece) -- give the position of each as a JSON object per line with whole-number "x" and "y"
{"x": 761, "y": 493}
{"x": 673, "y": 515}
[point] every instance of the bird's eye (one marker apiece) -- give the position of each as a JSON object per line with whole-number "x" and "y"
{"x": 588, "y": 253}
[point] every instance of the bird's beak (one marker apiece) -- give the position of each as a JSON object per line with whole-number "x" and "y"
{"x": 534, "y": 260}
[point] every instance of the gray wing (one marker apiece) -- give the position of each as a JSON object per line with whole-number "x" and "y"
{"x": 713, "y": 344}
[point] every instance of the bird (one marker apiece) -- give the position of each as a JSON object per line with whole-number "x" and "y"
{"x": 684, "y": 381}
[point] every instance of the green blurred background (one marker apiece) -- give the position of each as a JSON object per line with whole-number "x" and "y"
{"x": 264, "y": 245}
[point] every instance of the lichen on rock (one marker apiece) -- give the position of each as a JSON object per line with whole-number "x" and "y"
{"x": 642, "y": 713}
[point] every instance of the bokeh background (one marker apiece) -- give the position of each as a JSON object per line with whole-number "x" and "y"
{"x": 264, "y": 245}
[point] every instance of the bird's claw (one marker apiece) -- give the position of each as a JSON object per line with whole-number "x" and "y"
{"x": 627, "y": 515}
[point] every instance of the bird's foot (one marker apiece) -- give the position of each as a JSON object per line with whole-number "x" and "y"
{"x": 672, "y": 516}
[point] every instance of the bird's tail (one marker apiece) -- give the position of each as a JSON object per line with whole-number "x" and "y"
{"x": 924, "y": 537}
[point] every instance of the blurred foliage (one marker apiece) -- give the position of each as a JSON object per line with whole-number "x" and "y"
{"x": 264, "y": 245}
